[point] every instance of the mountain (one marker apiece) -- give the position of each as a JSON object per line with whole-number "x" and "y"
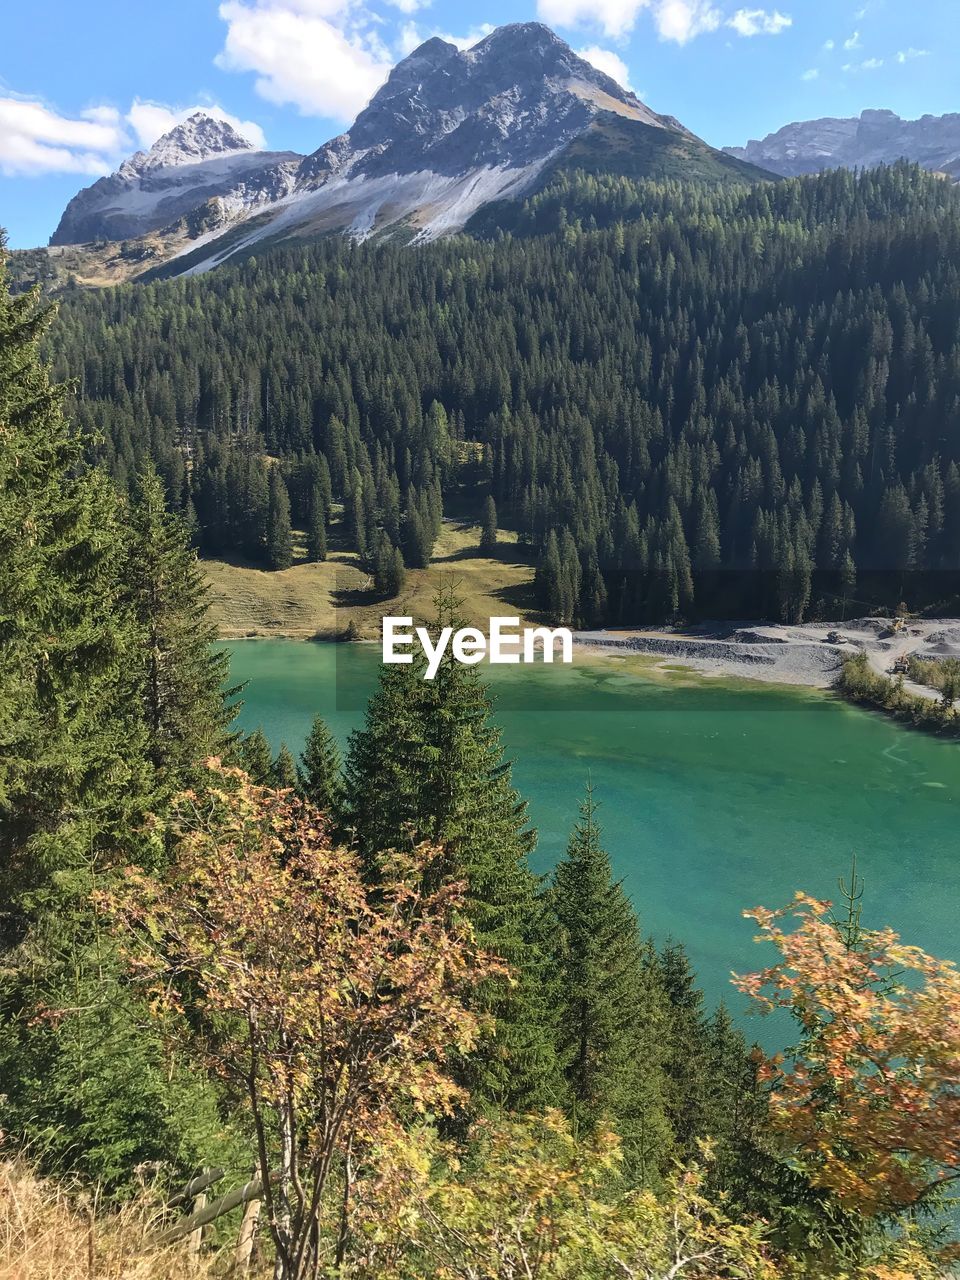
{"x": 453, "y": 130}
{"x": 200, "y": 160}
{"x": 875, "y": 137}
{"x": 448, "y": 133}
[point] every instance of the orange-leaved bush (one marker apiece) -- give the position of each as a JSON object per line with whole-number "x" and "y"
{"x": 331, "y": 1008}
{"x": 869, "y": 1101}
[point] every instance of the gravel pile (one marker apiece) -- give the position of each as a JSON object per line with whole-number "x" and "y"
{"x": 779, "y": 661}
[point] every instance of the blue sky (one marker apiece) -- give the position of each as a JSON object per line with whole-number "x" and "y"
{"x": 85, "y": 82}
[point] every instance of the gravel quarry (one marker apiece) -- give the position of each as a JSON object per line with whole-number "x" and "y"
{"x": 810, "y": 654}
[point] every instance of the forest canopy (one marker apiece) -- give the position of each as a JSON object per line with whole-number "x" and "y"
{"x": 685, "y": 399}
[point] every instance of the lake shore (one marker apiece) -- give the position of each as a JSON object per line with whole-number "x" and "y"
{"x": 321, "y": 601}
{"x": 809, "y": 655}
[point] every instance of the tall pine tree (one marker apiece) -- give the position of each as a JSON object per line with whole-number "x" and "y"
{"x": 85, "y": 1082}
{"x": 320, "y": 772}
{"x": 428, "y": 765}
{"x": 184, "y": 702}
{"x": 612, "y": 1014}
{"x": 279, "y": 535}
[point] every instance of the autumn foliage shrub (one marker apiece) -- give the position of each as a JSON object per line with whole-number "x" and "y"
{"x": 869, "y": 1101}
{"x": 329, "y": 1007}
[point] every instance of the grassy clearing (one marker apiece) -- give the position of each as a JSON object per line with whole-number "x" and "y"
{"x": 312, "y": 600}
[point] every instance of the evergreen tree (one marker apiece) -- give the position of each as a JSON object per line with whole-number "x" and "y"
{"x": 255, "y": 758}
{"x": 417, "y": 542}
{"x": 279, "y": 537}
{"x": 184, "y": 703}
{"x": 283, "y": 770}
{"x": 611, "y": 1017}
{"x": 91, "y": 1089}
{"x": 687, "y": 1039}
{"x": 488, "y": 525}
{"x": 428, "y": 765}
{"x": 320, "y": 772}
{"x": 389, "y": 574}
{"x": 316, "y": 526}
{"x": 72, "y": 742}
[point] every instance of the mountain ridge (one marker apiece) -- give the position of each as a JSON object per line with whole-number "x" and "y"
{"x": 450, "y": 132}
{"x": 874, "y": 137}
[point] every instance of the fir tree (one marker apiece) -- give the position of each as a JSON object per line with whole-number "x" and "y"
{"x": 686, "y": 1063}
{"x": 283, "y": 770}
{"x": 71, "y": 738}
{"x": 316, "y": 526}
{"x": 279, "y": 537}
{"x": 255, "y": 758}
{"x": 320, "y": 772}
{"x": 428, "y": 765}
{"x": 389, "y": 574}
{"x": 90, "y": 1090}
{"x": 184, "y": 699}
{"x": 611, "y": 1017}
{"x": 488, "y": 525}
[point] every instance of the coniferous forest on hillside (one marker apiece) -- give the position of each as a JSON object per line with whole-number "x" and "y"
{"x": 340, "y": 975}
{"x": 657, "y": 384}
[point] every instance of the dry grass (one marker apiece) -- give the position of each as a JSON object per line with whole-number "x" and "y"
{"x": 322, "y": 600}
{"x": 52, "y": 1232}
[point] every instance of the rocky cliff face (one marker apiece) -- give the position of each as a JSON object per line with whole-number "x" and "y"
{"x": 875, "y": 137}
{"x": 200, "y": 160}
{"x": 510, "y": 101}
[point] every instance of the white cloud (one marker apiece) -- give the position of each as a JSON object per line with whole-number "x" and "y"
{"x": 411, "y": 37}
{"x": 853, "y": 42}
{"x": 36, "y": 139}
{"x": 151, "y": 120}
{"x": 323, "y": 67}
{"x": 616, "y": 17}
{"x": 869, "y": 64}
{"x": 681, "y": 20}
{"x": 907, "y": 55}
{"x": 608, "y": 62}
{"x": 408, "y": 6}
{"x": 757, "y": 22}
{"x": 474, "y": 36}
{"x": 678, "y": 20}
{"x": 829, "y": 44}
{"x": 812, "y": 74}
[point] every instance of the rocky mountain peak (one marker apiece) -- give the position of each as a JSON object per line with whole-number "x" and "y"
{"x": 529, "y": 37}
{"x": 512, "y": 99}
{"x": 199, "y": 137}
{"x": 201, "y": 159}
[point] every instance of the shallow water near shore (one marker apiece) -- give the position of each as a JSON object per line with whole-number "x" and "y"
{"x": 715, "y": 796}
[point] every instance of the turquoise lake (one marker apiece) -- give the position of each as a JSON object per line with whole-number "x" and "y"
{"x": 714, "y": 798}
